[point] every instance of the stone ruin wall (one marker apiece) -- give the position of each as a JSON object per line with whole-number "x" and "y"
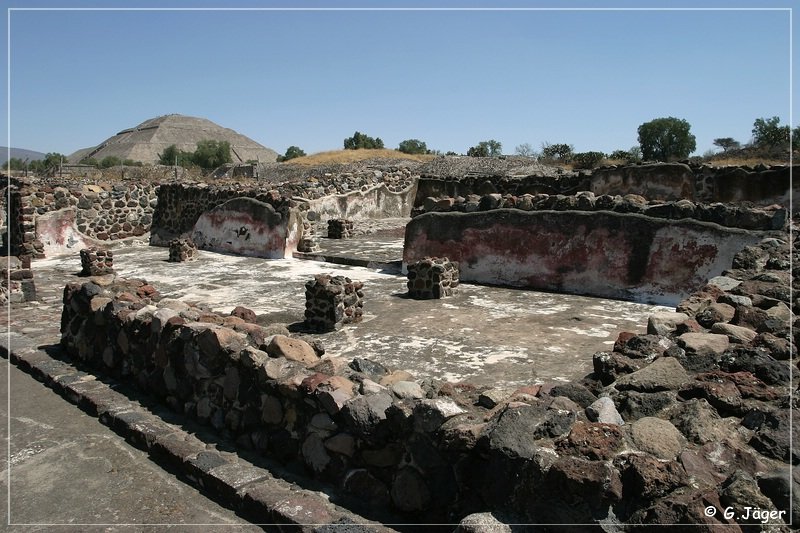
{"x": 53, "y": 214}
{"x": 692, "y": 413}
{"x": 61, "y": 214}
{"x": 660, "y": 181}
{"x": 372, "y": 194}
{"x": 613, "y": 247}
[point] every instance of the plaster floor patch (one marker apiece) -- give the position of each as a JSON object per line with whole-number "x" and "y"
{"x": 484, "y": 335}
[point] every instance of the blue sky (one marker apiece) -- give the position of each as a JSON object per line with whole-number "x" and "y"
{"x": 450, "y": 78}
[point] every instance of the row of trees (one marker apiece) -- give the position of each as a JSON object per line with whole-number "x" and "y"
{"x": 661, "y": 139}
{"x": 110, "y": 161}
{"x": 51, "y": 160}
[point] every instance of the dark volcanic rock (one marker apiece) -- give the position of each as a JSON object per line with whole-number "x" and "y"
{"x": 593, "y": 440}
{"x": 758, "y": 362}
{"x": 575, "y": 392}
{"x": 775, "y": 436}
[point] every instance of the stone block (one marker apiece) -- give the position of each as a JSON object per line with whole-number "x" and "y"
{"x": 432, "y": 278}
{"x": 332, "y": 301}
{"x": 96, "y": 262}
{"x": 182, "y": 250}
{"x": 340, "y": 228}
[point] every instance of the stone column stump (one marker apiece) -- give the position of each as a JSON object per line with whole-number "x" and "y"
{"x": 308, "y": 242}
{"x": 332, "y": 301}
{"x": 340, "y": 228}
{"x": 432, "y": 277}
{"x": 17, "y": 280}
{"x": 96, "y": 262}
{"x": 182, "y": 250}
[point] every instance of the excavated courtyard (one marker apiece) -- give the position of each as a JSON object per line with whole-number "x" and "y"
{"x": 483, "y": 335}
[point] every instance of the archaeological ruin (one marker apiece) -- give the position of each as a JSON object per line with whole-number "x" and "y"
{"x": 310, "y": 318}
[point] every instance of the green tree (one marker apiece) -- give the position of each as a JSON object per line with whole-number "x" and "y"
{"x": 727, "y": 143}
{"x": 360, "y": 140}
{"x": 211, "y": 154}
{"x": 110, "y": 161}
{"x": 767, "y": 133}
{"x": 587, "y": 159}
{"x": 488, "y": 148}
{"x": 559, "y": 152}
{"x": 173, "y": 156}
{"x": 634, "y": 155}
{"x": 52, "y": 160}
{"x": 666, "y": 139}
{"x": 15, "y": 163}
{"x": 89, "y": 161}
{"x": 413, "y": 146}
{"x": 291, "y": 153}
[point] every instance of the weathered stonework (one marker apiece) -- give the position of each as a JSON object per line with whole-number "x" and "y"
{"x": 182, "y": 250}
{"x": 246, "y": 226}
{"x": 432, "y": 278}
{"x": 656, "y": 181}
{"x": 17, "y": 283}
{"x": 340, "y": 228}
{"x": 332, "y": 301}
{"x": 96, "y": 262}
{"x": 664, "y": 422}
{"x": 610, "y": 254}
{"x": 773, "y": 217}
{"x": 102, "y": 212}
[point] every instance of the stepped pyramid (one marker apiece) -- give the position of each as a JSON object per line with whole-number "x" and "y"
{"x": 150, "y": 138}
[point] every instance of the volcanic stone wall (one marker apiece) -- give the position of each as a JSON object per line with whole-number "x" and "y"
{"x": 60, "y": 214}
{"x": 773, "y": 217}
{"x": 102, "y": 212}
{"x": 760, "y": 185}
{"x": 180, "y": 206}
{"x": 616, "y": 253}
{"x": 694, "y": 413}
{"x": 370, "y": 195}
{"x": 436, "y": 187}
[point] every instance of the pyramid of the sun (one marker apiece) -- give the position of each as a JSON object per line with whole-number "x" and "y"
{"x": 150, "y": 138}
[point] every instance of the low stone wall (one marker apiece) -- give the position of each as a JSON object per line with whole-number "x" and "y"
{"x": 773, "y": 217}
{"x": 694, "y": 413}
{"x": 759, "y": 185}
{"x": 181, "y": 206}
{"x": 662, "y": 181}
{"x": 436, "y": 187}
{"x": 244, "y": 226}
{"x": 608, "y": 254}
{"x": 59, "y": 214}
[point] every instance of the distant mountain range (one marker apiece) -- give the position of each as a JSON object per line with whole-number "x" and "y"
{"x": 19, "y": 153}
